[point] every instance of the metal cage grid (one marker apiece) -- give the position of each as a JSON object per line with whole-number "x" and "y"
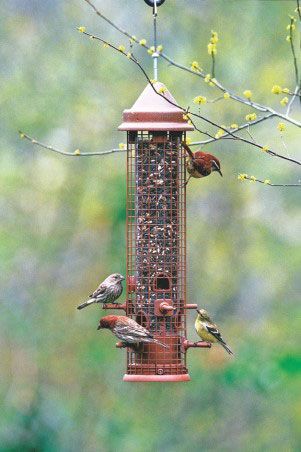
{"x": 156, "y": 249}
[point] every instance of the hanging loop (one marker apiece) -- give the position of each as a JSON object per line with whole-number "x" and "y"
{"x": 152, "y": 2}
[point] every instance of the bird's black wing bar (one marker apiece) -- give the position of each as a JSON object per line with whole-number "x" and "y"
{"x": 215, "y": 333}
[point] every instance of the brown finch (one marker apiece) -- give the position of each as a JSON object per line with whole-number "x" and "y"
{"x": 127, "y": 330}
{"x": 107, "y": 292}
{"x": 208, "y": 331}
{"x": 201, "y": 164}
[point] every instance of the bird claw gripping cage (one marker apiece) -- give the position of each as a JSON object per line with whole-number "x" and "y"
{"x": 156, "y": 236}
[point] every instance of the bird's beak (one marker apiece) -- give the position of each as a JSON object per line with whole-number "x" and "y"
{"x": 197, "y": 310}
{"x": 99, "y": 327}
{"x": 122, "y": 278}
{"x": 215, "y": 165}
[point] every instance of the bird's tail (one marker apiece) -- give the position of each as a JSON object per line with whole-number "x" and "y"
{"x": 228, "y": 349}
{"x": 188, "y": 150}
{"x": 86, "y": 303}
{"x": 161, "y": 343}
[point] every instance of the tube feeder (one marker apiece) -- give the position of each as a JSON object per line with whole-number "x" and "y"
{"x": 156, "y": 235}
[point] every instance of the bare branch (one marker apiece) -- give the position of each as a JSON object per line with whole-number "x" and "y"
{"x": 125, "y": 33}
{"x": 217, "y": 99}
{"x": 293, "y": 50}
{"x": 250, "y": 135}
{"x": 217, "y": 84}
{"x": 299, "y": 10}
{"x": 243, "y": 126}
{"x": 76, "y": 153}
{"x": 243, "y": 177}
{"x": 294, "y": 95}
{"x": 213, "y": 65}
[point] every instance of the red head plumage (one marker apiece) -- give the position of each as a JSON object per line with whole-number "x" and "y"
{"x": 108, "y": 322}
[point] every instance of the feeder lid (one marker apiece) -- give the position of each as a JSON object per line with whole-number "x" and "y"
{"x": 153, "y": 112}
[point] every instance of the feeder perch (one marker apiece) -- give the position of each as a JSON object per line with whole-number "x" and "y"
{"x": 163, "y": 308}
{"x": 200, "y": 344}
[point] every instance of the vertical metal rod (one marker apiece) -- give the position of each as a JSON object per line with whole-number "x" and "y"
{"x": 155, "y": 54}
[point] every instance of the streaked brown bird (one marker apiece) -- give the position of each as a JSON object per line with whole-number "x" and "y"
{"x": 107, "y": 292}
{"x": 127, "y": 330}
{"x": 208, "y": 331}
{"x": 201, "y": 164}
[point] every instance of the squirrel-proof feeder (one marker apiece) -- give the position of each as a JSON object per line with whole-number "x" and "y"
{"x": 156, "y": 235}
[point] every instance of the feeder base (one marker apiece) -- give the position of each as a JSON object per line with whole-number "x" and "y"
{"x": 158, "y": 378}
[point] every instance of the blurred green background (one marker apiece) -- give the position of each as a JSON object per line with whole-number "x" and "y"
{"x": 63, "y": 230}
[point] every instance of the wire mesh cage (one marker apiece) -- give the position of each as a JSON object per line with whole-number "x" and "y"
{"x": 156, "y": 236}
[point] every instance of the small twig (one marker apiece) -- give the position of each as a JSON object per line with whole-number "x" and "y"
{"x": 215, "y": 100}
{"x": 243, "y": 126}
{"x": 293, "y": 51}
{"x": 299, "y": 10}
{"x": 294, "y": 95}
{"x": 76, "y": 153}
{"x": 243, "y": 177}
{"x": 125, "y": 33}
{"x": 213, "y": 65}
{"x": 284, "y": 146}
{"x": 249, "y": 133}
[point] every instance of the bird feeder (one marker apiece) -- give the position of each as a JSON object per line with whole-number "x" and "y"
{"x": 156, "y": 235}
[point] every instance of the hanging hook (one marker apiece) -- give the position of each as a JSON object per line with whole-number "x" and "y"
{"x": 155, "y": 55}
{"x": 152, "y": 2}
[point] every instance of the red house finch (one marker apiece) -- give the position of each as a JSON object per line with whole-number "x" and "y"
{"x": 127, "y": 330}
{"x": 208, "y": 331}
{"x": 201, "y": 164}
{"x": 107, "y": 292}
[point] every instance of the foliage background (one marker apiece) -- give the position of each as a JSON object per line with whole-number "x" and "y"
{"x": 62, "y": 231}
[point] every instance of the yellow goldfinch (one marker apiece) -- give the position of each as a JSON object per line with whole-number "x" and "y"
{"x": 208, "y": 331}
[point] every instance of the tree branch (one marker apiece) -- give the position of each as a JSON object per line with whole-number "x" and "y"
{"x": 293, "y": 51}
{"x": 102, "y": 16}
{"x": 294, "y": 95}
{"x": 243, "y": 126}
{"x": 299, "y": 10}
{"x": 131, "y": 57}
{"x": 256, "y": 105}
{"x": 243, "y": 177}
{"x": 213, "y": 65}
{"x": 76, "y": 153}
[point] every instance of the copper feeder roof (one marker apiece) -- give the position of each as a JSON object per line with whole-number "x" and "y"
{"x": 153, "y": 112}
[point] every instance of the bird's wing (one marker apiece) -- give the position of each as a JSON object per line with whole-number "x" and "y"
{"x": 133, "y": 328}
{"x": 199, "y": 158}
{"x": 212, "y": 329}
{"x": 99, "y": 291}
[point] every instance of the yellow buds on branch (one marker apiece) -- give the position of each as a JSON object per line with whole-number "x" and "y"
{"x": 200, "y": 100}
{"x": 251, "y": 117}
{"x": 247, "y": 93}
